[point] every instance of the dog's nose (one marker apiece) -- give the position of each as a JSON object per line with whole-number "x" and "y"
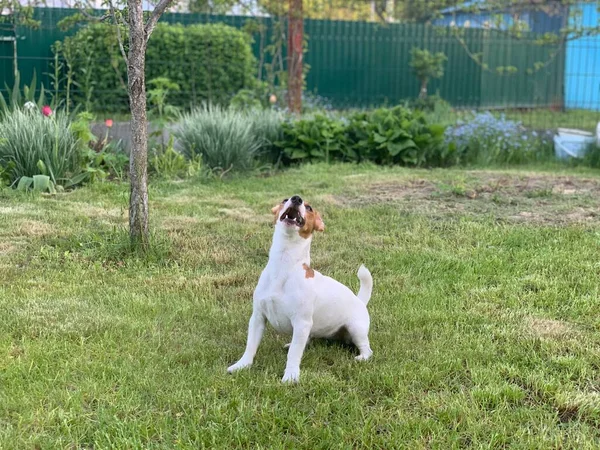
{"x": 296, "y": 200}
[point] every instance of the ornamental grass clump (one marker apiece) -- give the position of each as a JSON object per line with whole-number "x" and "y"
{"x": 38, "y": 143}
{"x": 228, "y": 139}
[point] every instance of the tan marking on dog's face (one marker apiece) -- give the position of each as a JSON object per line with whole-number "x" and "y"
{"x": 313, "y": 222}
{"x": 308, "y": 272}
{"x": 276, "y": 211}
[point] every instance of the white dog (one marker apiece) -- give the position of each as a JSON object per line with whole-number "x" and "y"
{"x": 298, "y": 300}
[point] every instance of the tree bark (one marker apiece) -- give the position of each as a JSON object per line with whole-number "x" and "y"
{"x": 138, "y": 165}
{"x": 423, "y": 92}
{"x": 295, "y": 39}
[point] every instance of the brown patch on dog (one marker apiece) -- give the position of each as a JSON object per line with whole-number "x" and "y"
{"x": 312, "y": 222}
{"x": 276, "y": 210}
{"x": 308, "y": 272}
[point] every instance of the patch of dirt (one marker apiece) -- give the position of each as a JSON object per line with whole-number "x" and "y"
{"x": 7, "y": 248}
{"x": 34, "y": 228}
{"x": 12, "y": 210}
{"x": 548, "y": 328}
{"x": 179, "y": 223}
{"x": 512, "y": 197}
{"x": 243, "y": 214}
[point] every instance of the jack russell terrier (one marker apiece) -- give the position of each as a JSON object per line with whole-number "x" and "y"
{"x": 298, "y": 300}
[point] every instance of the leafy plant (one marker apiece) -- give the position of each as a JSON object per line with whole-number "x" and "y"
{"x": 227, "y": 140}
{"x": 425, "y": 66}
{"x": 157, "y": 97}
{"x": 16, "y": 99}
{"x": 316, "y": 138}
{"x": 167, "y": 162}
{"x": 32, "y": 144}
{"x": 395, "y": 136}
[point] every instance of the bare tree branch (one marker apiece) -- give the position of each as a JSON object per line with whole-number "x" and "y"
{"x": 118, "y": 27}
{"x": 159, "y": 9}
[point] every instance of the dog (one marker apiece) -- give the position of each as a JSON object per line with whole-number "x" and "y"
{"x": 297, "y": 300}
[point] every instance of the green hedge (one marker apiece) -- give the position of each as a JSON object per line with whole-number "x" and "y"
{"x": 209, "y": 63}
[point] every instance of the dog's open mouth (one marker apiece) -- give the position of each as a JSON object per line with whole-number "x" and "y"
{"x": 292, "y": 216}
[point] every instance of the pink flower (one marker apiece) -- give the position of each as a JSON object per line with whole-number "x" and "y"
{"x": 47, "y": 111}
{"x": 108, "y": 123}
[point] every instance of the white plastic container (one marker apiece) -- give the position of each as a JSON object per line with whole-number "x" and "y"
{"x": 570, "y": 143}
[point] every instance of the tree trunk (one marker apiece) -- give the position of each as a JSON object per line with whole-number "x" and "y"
{"x": 423, "y": 93}
{"x": 295, "y": 39}
{"x": 138, "y": 170}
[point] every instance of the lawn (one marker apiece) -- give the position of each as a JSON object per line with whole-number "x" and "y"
{"x": 485, "y": 315}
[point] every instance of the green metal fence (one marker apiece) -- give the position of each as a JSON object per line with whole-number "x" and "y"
{"x": 359, "y": 64}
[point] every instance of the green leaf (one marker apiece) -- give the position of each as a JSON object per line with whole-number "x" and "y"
{"x": 298, "y": 154}
{"x": 24, "y": 183}
{"x": 42, "y": 183}
{"x": 395, "y": 148}
{"x": 77, "y": 179}
{"x": 42, "y": 167}
{"x": 379, "y": 138}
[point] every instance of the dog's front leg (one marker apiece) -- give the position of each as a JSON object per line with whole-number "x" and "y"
{"x": 256, "y": 327}
{"x": 300, "y": 337}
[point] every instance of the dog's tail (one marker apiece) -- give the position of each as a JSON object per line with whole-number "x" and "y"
{"x": 366, "y": 284}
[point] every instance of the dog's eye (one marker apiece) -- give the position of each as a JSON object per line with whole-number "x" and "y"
{"x": 308, "y": 208}
{"x": 285, "y": 200}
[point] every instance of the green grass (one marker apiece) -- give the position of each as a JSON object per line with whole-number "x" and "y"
{"x": 485, "y": 315}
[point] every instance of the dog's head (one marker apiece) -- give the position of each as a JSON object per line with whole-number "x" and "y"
{"x": 293, "y": 215}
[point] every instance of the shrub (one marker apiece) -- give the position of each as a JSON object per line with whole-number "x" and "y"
{"x": 426, "y": 65}
{"x": 32, "y": 144}
{"x": 208, "y": 62}
{"x": 429, "y": 104}
{"x": 396, "y": 136}
{"x": 227, "y": 139}
{"x": 316, "y": 138}
{"x": 382, "y": 136}
{"x": 486, "y": 139}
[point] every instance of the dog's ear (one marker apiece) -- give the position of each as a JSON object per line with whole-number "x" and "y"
{"x": 275, "y": 209}
{"x": 319, "y": 225}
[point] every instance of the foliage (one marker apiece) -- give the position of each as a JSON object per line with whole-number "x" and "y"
{"x": 394, "y": 136}
{"x": 187, "y": 49}
{"x": 312, "y": 139}
{"x": 16, "y": 99}
{"x": 256, "y": 96}
{"x": 227, "y": 139}
{"x": 592, "y": 157}
{"x": 37, "y": 145}
{"x": 110, "y": 161}
{"x": 486, "y": 139}
{"x": 429, "y": 104}
{"x": 383, "y": 136}
{"x": 166, "y": 162}
{"x": 426, "y": 65}
{"x": 101, "y": 158}
{"x": 157, "y": 97}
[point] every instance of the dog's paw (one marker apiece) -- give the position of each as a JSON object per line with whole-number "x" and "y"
{"x": 364, "y": 356}
{"x": 291, "y": 376}
{"x": 238, "y": 366}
